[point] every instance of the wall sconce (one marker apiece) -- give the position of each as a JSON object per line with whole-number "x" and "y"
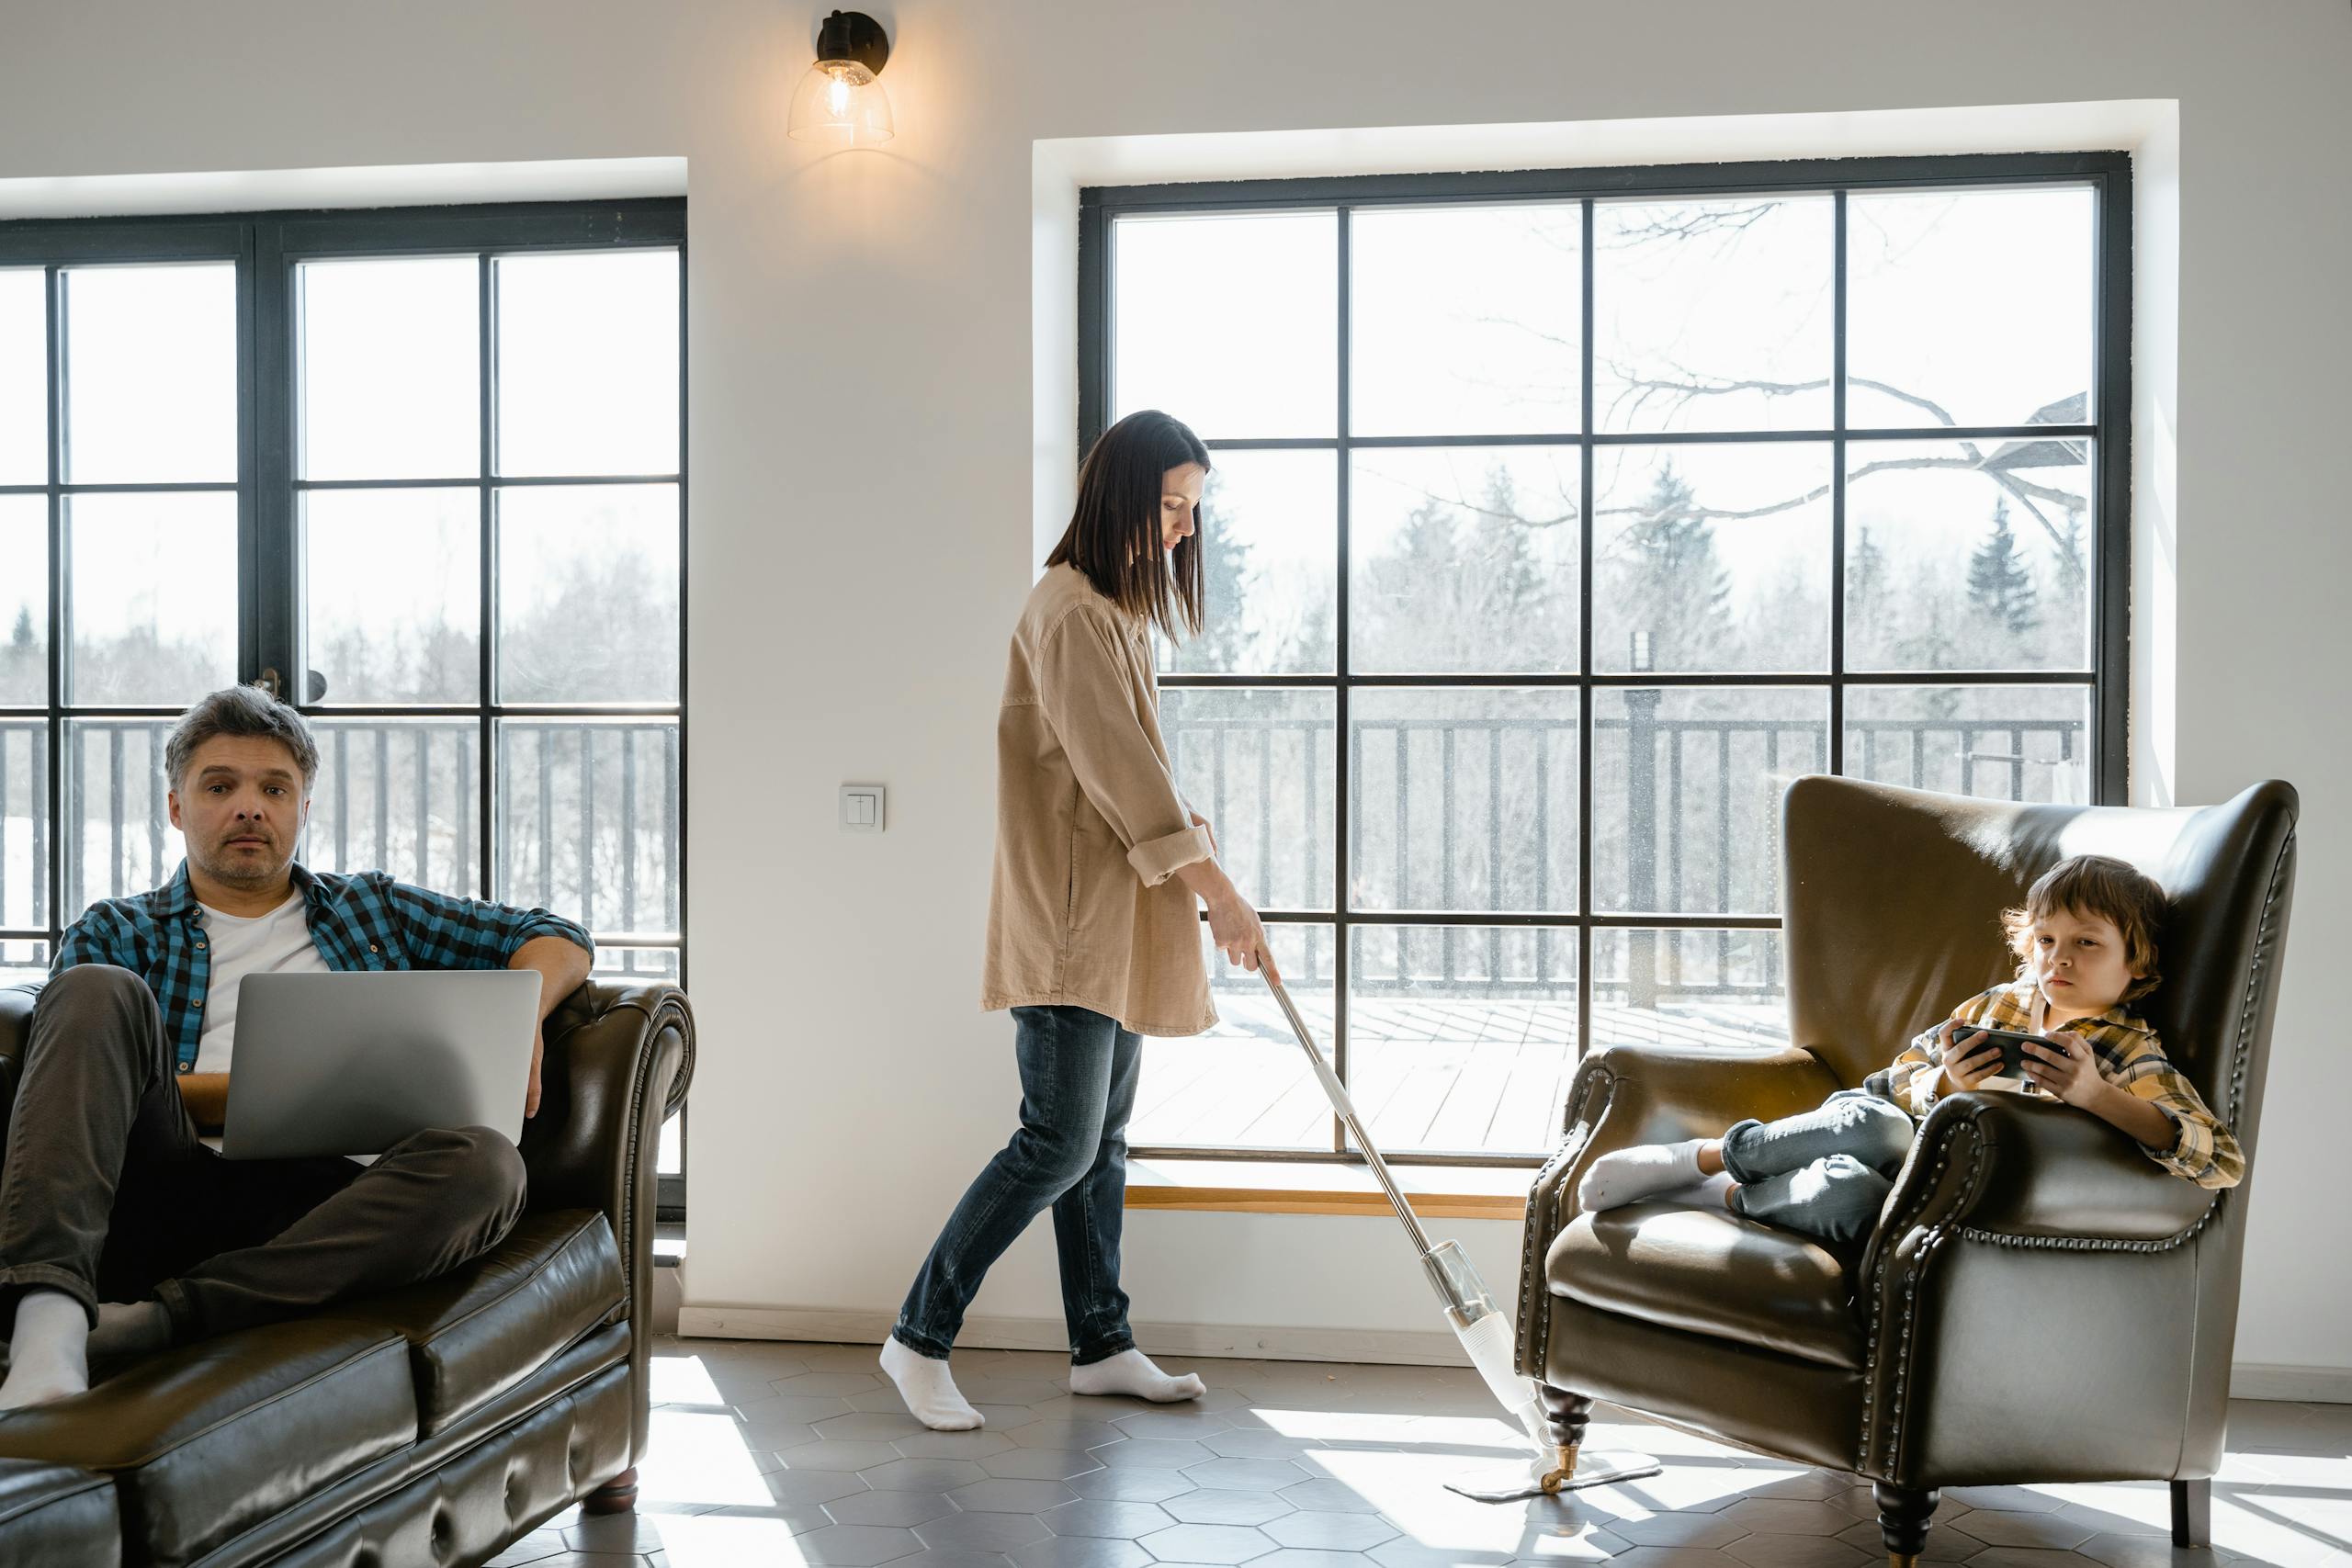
{"x": 839, "y": 102}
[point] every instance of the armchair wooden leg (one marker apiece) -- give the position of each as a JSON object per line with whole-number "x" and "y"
{"x": 1567, "y": 1414}
{"x": 1903, "y": 1515}
{"x": 2192, "y": 1512}
{"x": 618, "y": 1496}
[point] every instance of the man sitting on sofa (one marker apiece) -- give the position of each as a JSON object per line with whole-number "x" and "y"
{"x": 120, "y": 1230}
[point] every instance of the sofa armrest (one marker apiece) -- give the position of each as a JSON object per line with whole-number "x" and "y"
{"x": 1624, "y": 1094}
{"x": 617, "y": 1063}
{"x": 16, "y": 1028}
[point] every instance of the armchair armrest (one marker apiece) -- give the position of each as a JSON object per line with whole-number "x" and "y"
{"x": 1624, "y": 1094}
{"x": 2006, "y": 1206}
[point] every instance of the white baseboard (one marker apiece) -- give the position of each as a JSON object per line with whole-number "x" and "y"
{"x": 2314, "y": 1385}
{"x": 1411, "y": 1348}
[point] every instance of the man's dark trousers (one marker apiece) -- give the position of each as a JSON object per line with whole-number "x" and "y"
{"x": 107, "y": 1194}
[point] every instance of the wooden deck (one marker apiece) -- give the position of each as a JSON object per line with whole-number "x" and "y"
{"x": 1455, "y": 1075}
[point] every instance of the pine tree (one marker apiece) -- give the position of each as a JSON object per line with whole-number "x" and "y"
{"x": 1679, "y": 592}
{"x": 21, "y": 638}
{"x": 2000, "y": 586}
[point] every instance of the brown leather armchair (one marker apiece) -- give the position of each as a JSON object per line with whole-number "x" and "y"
{"x": 1980, "y": 1334}
{"x": 432, "y": 1425}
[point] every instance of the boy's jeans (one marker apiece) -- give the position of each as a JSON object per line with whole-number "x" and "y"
{"x": 1078, "y": 1088}
{"x": 1824, "y": 1172}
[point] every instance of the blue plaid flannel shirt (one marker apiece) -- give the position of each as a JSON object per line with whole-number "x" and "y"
{"x": 362, "y": 921}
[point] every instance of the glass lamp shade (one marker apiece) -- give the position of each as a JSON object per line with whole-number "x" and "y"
{"x": 841, "y": 104}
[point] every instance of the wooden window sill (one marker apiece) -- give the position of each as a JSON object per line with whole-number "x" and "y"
{"x": 1254, "y": 1187}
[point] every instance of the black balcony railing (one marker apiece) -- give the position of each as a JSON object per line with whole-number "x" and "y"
{"x": 402, "y": 797}
{"x": 1674, "y": 840}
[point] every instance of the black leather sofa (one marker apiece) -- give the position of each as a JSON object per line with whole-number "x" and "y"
{"x": 431, "y": 1425}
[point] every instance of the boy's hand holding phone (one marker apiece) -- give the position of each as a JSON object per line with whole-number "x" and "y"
{"x": 1968, "y": 1063}
{"x": 2062, "y": 1066}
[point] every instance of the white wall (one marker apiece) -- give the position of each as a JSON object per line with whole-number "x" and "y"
{"x": 863, "y": 456}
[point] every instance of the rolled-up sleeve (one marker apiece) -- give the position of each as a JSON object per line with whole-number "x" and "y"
{"x": 1087, "y": 687}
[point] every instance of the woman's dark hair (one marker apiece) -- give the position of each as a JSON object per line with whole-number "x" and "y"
{"x": 1114, "y": 536}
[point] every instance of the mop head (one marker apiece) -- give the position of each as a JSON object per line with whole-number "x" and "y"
{"x": 1516, "y": 1482}
{"x": 1489, "y": 1340}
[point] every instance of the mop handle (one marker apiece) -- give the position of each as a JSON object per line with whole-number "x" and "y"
{"x": 1338, "y": 1094}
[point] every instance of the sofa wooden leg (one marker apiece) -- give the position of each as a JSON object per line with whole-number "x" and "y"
{"x": 618, "y": 1496}
{"x": 2192, "y": 1513}
{"x": 1567, "y": 1414}
{"x": 1903, "y": 1515}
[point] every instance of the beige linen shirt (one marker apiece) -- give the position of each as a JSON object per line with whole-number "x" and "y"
{"x": 1085, "y": 910}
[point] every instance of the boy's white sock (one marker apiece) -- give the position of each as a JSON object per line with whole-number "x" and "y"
{"x": 1131, "y": 1372}
{"x": 927, "y": 1388}
{"x": 47, "y": 1358}
{"x": 1628, "y": 1175}
{"x": 1707, "y": 1192}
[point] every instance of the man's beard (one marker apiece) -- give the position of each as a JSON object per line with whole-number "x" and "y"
{"x": 238, "y": 872}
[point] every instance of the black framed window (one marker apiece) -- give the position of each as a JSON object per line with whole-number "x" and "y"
{"x": 421, "y": 472}
{"x": 1558, "y": 521}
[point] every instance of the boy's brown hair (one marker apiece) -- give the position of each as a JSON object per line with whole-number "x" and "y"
{"x": 2104, "y": 888}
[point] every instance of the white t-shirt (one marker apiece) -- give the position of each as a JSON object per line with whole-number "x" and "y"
{"x": 276, "y": 942}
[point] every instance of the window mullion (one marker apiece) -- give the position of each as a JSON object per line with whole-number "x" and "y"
{"x": 268, "y": 508}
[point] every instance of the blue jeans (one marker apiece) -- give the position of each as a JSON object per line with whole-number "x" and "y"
{"x": 1078, "y": 1088}
{"x": 1824, "y": 1172}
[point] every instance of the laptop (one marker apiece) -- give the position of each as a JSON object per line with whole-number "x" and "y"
{"x": 352, "y": 1063}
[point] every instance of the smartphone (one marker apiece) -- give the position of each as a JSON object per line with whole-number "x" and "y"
{"x": 2010, "y": 1041}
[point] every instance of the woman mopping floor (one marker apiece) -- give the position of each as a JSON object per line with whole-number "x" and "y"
{"x": 1093, "y": 924}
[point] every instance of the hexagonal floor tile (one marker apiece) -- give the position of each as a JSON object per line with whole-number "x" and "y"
{"x": 922, "y": 1475}
{"x": 904, "y": 1508}
{"x": 1308, "y": 1557}
{"x": 778, "y": 1408}
{"x": 949, "y": 1557}
{"x": 1766, "y": 1515}
{"x": 1796, "y": 1552}
{"x": 2051, "y": 1532}
{"x": 1108, "y": 1519}
{"x": 1205, "y": 1543}
{"x": 1058, "y": 1433}
{"x": 868, "y": 1426}
{"x": 992, "y": 1496}
{"x": 2143, "y": 1552}
{"x": 1172, "y": 1424}
{"x": 974, "y": 1444}
{"x": 1130, "y": 1485}
{"x": 1410, "y": 1553}
{"x": 1700, "y": 1530}
{"x": 982, "y": 1532}
{"x": 856, "y": 1546}
{"x": 847, "y": 1454}
{"x": 1248, "y": 1474}
{"x": 827, "y": 1385}
{"x": 1081, "y": 1551}
{"x": 1223, "y": 1506}
{"x": 1151, "y": 1453}
{"x": 811, "y": 1485}
{"x": 1327, "y": 1496}
{"x": 1252, "y": 1443}
{"x": 1331, "y": 1532}
{"x": 1036, "y": 1464}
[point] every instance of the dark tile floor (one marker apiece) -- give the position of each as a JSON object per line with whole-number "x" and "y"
{"x": 770, "y": 1453}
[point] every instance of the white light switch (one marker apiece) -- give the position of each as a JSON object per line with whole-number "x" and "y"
{"x": 862, "y": 808}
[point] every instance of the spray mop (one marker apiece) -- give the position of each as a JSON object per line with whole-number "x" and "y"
{"x": 1478, "y": 1323}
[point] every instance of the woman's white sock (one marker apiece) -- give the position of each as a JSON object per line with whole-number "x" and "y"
{"x": 1131, "y": 1372}
{"x": 1628, "y": 1175}
{"x": 927, "y": 1388}
{"x": 48, "y": 1354}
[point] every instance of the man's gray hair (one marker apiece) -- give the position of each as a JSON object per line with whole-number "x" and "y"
{"x": 240, "y": 710}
